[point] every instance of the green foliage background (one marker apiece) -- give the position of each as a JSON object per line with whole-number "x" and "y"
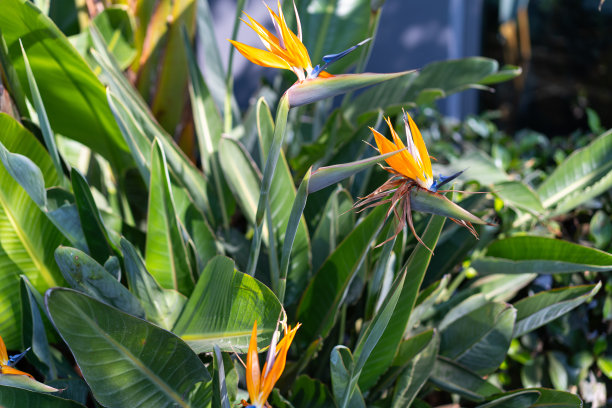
{"x": 140, "y": 239}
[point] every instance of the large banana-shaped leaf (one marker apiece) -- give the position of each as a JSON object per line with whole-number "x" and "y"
{"x": 27, "y": 237}
{"x": 223, "y": 307}
{"x": 149, "y": 366}
{"x": 73, "y": 97}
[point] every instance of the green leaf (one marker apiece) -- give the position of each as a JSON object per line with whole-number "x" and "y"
{"x": 11, "y": 397}
{"x": 455, "y": 378}
{"x": 166, "y": 254}
{"x": 161, "y": 306}
{"x": 242, "y": 177}
{"x": 208, "y": 127}
{"x": 337, "y": 221}
{"x": 73, "y": 97}
{"x": 115, "y": 24}
{"x": 519, "y": 194}
{"x": 323, "y": 25}
{"x": 407, "y": 350}
{"x": 480, "y": 339}
{"x": 34, "y": 333}
{"x": 214, "y": 73}
{"x": 286, "y": 208}
{"x": 435, "y": 203}
{"x": 556, "y": 399}
{"x": 583, "y": 175}
{"x": 502, "y": 287}
{"x": 263, "y": 203}
{"x": 22, "y": 169}
{"x": 415, "y": 375}
{"x": 370, "y": 337}
{"x": 137, "y": 125}
{"x": 537, "y": 310}
{"x": 307, "y": 392}
{"x": 506, "y": 73}
{"x": 43, "y": 120}
{"x": 156, "y": 368}
{"x": 295, "y": 224}
{"x": 28, "y": 238}
{"x": 12, "y": 84}
{"x": 513, "y": 399}
{"x": 417, "y": 264}
{"x": 326, "y": 176}
{"x": 220, "y": 397}
{"x": 84, "y": 274}
{"x": 26, "y": 383}
{"x": 312, "y": 90}
{"x": 533, "y": 254}
{"x": 446, "y": 77}
{"x": 341, "y": 362}
{"x": 223, "y": 307}
{"x": 95, "y": 231}
{"x": 480, "y": 167}
{"x": 320, "y": 303}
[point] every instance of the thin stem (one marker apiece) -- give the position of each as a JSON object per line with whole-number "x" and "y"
{"x": 229, "y": 83}
{"x": 273, "y": 154}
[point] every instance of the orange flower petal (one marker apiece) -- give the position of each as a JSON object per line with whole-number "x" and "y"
{"x": 3, "y": 353}
{"x": 412, "y": 166}
{"x": 279, "y": 363}
{"x": 4, "y": 369}
{"x": 420, "y": 144}
{"x": 260, "y": 57}
{"x": 252, "y": 367}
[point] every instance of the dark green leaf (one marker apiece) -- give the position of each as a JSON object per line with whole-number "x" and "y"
{"x": 533, "y": 254}
{"x": 11, "y": 397}
{"x": 321, "y": 300}
{"x": 452, "y": 377}
{"x": 86, "y": 275}
{"x": 537, "y": 310}
{"x": 161, "y": 306}
{"x": 480, "y": 339}
{"x": 156, "y": 368}
{"x": 73, "y": 97}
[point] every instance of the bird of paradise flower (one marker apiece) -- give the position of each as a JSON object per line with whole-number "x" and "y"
{"x": 260, "y": 383}
{"x": 7, "y": 363}
{"x": 285, "y": 50}
{"x": 411, "y": 168}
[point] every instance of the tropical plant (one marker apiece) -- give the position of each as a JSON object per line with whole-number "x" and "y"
{"x": 140, "y": 271}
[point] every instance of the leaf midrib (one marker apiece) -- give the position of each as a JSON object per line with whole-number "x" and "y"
{"x": 131, "y": 358}
{"x": 40, "y": 265}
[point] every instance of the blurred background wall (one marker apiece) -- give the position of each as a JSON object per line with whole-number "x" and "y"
{"x": 412, "y": 34}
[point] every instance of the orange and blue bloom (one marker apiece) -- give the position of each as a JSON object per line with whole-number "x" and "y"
{"x": 411, "y": 168}
{"x": 260, "y": 383}
{"x": 7, "y": 363}
{"x": 285, "y": 50}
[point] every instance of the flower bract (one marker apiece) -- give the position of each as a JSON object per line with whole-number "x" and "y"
{"x": 261, "y": 383}
{"x": 7, "y": 363}
{"x": 285, "y": 49}
{"x": 411, "y": 168}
